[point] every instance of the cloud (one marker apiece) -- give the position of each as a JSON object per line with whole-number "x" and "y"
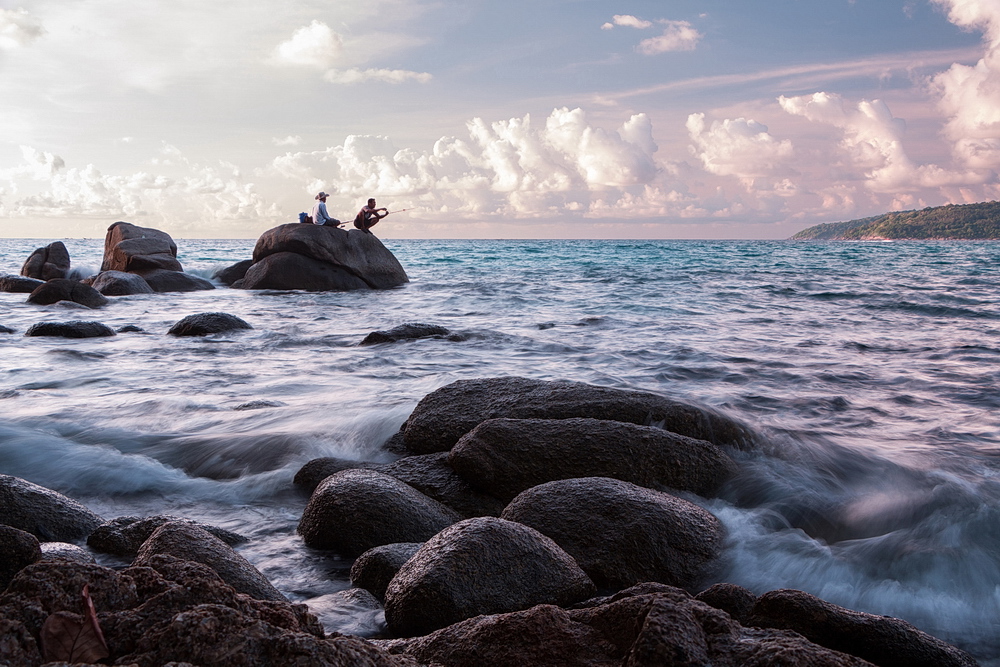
{"x": 628, "y": 21}
{"x": 355, "y": 75}
{"x": 314, "y": 45}
{"x": 677, "y": 36}
{"x": 290, "y": 140}
{"x": 18, "y": 28}
{"x": 739, "y": 147}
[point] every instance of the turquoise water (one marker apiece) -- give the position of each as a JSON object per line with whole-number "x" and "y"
{"x": 869, "y": 369}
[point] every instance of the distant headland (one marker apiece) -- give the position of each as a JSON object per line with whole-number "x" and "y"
{"x": 953, "y": 222}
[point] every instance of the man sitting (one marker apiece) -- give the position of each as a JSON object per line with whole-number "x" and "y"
{"x": 369, "y": 216}
{"x": 319, "y": 214}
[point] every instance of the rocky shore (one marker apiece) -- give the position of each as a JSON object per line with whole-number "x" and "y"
{"x": 523, "y": 523}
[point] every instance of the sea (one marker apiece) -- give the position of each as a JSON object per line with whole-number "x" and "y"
{"x": 870, "y": 372}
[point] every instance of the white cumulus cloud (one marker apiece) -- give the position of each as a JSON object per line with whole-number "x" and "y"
{"x": 677, "y": 36}
{"x": 315, "y": 45}
{"x": 627, "y": 20}
{"x": 737, "y": 147}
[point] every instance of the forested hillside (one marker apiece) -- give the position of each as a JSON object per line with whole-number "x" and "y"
{"x": 955, "y": 221}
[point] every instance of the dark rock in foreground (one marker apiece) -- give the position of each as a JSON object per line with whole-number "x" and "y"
{"x": 62, "y": 289}
{"x": 883, "y": 640}
{"x": 316, "y": 257}
{"x": 231, "y": 274}
{"x": 119, "y": 283}
{"x": 503, "y": 457}
{"x": 189, "y": 542}
{"x": 445, "y": 415}
{"x": 481, "y": 566}
{"x": 375, "y": 568}
{"x": 18, "y": 549}
{"x": 622, "y": 534}
{"x": 355, "y": 510}
{"x": 735, "y": 600}
{"x": 410, "y": 331}
{"x": 204, "y": 324}
{"x": 75, "y": 329}
{"x": 124, "y": 535}
{"x": 49, "y": 516}
{"x": 18, "y": 284}
{"x": 47, "y": 263}
{"x": 65, "y": 551}
{"x": 134, "y": 249}
{"x": 163, "y": 280}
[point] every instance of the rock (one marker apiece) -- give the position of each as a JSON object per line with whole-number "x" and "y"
{"x": 163, "y": 280}
{"x": 429, "y": 474}
{"x": 409, "y": 331}
{"x": 231, "y": 274}
{"x": 375, "y": 568}
{"x": 503, "y": 457}
{"x": 49, "y": 516}
{"x": 67, "y": 290}
{"x": 119, "y": 283}
{"x": 56, "y": 585}
{"x": 883, "y": 640}
{"x": 135, "y": 249}
{"x": 622, "y": 534}
{"x": 204, "y": 324}
{"x": 19, "y": 285}
{"x": 445, "y": 415}
{"x": 355, "y": 510}
{"x": 735, "y": 600}
{"x": 18, "y": 549}
{"x": 480, "y": 566}
{"x": 74, "y": 329}
{"x": 65, "y": 551}
{"x": 6, "y": 330}
{"x": 260, "y": 404}
{"x": 335, "y": 260}
{"x": 187, "y": 541}
{"x": 47, "y": 263}
{"x": 130, "y": 328}
{"x": 124, "y": 535}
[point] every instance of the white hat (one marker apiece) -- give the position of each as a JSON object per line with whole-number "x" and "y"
{"x": 321, "y": 195}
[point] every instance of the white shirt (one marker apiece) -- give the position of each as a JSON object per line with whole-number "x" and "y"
{"x": 320, "y": 215}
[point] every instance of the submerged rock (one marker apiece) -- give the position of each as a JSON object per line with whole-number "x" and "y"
{"x": 124, "y": 535}
{"x": 62, "y": 289}
{"x": 47, "y": 263}
{"x": 119, "y": 283}
{"x": 204, "y": 324}
{"x": 480, "y": 566}
{"x": 19, "y": 285}
{"x": 46, "y": 514}
{"x": 163, "y": 280}
{"x": 318, "y": 258}
{"x": 74, "y": 329}
{"x": 410, "y": 331}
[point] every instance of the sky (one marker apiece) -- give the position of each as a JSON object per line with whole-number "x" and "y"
{"x": 665, "y": 119}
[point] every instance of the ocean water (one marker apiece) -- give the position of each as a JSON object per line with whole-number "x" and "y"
{"x": 870, "y": 372}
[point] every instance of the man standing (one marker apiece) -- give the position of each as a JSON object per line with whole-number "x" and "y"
{"x": 369, "y": 216}
{"x": 319, "y": 214}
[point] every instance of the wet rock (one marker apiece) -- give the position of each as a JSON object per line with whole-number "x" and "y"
{"x": 375, "y": 568}
{"x": 503, "y": 457}
{"x": 231, "y": 274}
{"x": 259, "y": 405}
{"x": 18, "y": 549}
{"x": 445, "y": 415}
{"x": 622, "y": 534}
{"x": 130, "y": 328}
{"x": 6, "y": 330}
{"x": 204, "y": 324}
{"x": 124, "y": 535}
{"x": 183, "y": 540}
{"x": 119, "y": 283}
{"x": 74, "y": 329}
{"x": 62, "y": 289}
{"x": 355, "y": 510}
{"x": 310, "y": 475}
{"x": 49, "y": 516}
{"x": 55, "y": 585}
{"x": 469, "y": 569}
{"x": 735, "y": 600}
{"x": 410, "y": 331}
{"x": 316, "y": 257}
{"x": 17, "y": 646}
{"x": 163, "y": 280}
{"x": 18, "y": 284}
{"x": 51, "y": 261}
{"x": 883, "y": 640}
{"x": 66, "y": 551}
{"x": 134, "y": 249}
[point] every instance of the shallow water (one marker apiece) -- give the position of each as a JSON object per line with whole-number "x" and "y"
{"x": 869, "y": 369}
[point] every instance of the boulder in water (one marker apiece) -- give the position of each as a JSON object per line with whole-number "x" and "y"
{"x": 49, "y": 516}
{"x": 66, "y": 551}
{"x": 62, "y": 289}
{"x": 204, "y": 324}
{"x": 409, "y": 331}
{"x": 119, "y": 283}
{"x": 164, "y": 280}
{"x": 134, "y": 249}
{"x": 231, "y": 274}
{"x": 74, "y": 329}
{"x": 375, "y": 568}
{"x": 51, "y": 261}
{"x": 318, "y": 258}
{"x": 19, "y": 284}
{"x": 124, "y": 535}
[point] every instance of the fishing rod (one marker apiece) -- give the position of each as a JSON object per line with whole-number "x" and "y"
{"x": 399, "y": 211}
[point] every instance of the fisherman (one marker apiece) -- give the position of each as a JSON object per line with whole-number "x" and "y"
{"x": 319, "y": 214}
{"x": 369, "y": 216}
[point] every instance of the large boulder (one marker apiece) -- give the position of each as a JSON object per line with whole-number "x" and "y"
{"x": 124, "y": 535}
{"x": 232, "y": 273}
{"x": 18, "y": 549}
{"x": 62, "y": 289}
{"x": 19, "y": 284}
{"x": 49, "y": 516}
{"x": 622, "y": 534}
{"x": 445, "y": 415}
{"x": 883, "y": 640}
{"x": 74, "y": 329}
{"x": 165, "y": 280}
{"x": 375, "y": 568}
{"x": 481, "y": 566}
{"x": 135, "y": 249}
{"x": 189, "y": 542}
{"x": 51, "y": 261}
{"x": 317, "y": 257}
{"x": 355, "y": 510}
{"x": 119, "y": 283}
{"x": 204, "y": 324}
{"x": 503, "y": 457}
